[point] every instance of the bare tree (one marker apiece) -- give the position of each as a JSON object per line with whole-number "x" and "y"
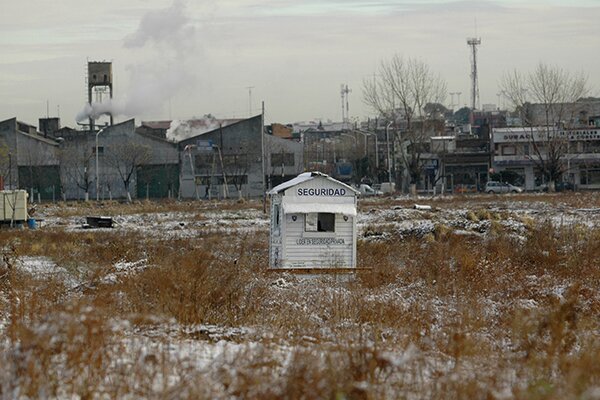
{"x": 75, "y": 166}
{"x": 554, "y": 90}
{"x": 400, "y": 93}
{"x": 125, "y": 158}
{"x": 236, "y": 170}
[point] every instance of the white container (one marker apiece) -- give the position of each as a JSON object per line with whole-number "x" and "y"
{"x": 13, "y": 205}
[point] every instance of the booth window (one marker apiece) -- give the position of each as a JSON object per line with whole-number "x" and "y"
{"x": 276, "y": 216}
{"x": 320, "y": 222}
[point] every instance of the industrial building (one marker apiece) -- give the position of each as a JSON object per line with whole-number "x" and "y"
{"x": 28, "y": 159}
{"x": 228, "y": 161}
{"x": 120, "y": 161}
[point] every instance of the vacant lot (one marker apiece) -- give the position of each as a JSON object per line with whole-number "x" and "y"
{"x": 483, "y": 297}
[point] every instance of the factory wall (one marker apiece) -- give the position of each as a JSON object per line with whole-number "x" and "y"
{"x": 28, "y": 161}
{"x": 154, "y": 167}
{"x": 8, "y": 148}
{"x": 284, "y": 160}
{"x": 231, "y": 153}
{"x": 158, "y": 177}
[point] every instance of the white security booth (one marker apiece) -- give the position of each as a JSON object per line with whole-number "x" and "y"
{"x": 313, "y": 224}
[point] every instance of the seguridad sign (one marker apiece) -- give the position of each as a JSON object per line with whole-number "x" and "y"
{"x": 321, "y": 192}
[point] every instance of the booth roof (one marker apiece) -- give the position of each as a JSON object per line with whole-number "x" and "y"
{"x": 307, "y": 176}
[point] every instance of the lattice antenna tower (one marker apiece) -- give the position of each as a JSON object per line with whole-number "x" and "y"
{"x": 344, "y": 91}
{"x": 473, "y": 43}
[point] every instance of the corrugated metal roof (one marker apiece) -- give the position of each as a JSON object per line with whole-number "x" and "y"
{"x": 157, "y": 124}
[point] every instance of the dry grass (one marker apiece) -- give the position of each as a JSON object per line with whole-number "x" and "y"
{"x": 112, "y": 208}
{"x": 444, "y": 316}
{"x": 571, "y": 199}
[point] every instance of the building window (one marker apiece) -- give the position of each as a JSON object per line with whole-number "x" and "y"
{"x": 590, "y": 175}
{"x": 509, "y": 150}
{"x": 285, "y": 159}
{"x": 100, "y": 150}
{"x": 236, "y": 180}
{"x": 592, "y": 146}
{"x": 320, "y": 222}
{"x": 202, "y": 180}
{"x": 575, "y": 147}
{"x": 204, "y": 161}
{"x": 235, "y": 161}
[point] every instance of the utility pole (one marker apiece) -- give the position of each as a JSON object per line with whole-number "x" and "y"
{"x": 97, "y": 175}
{"x": 262, "y": 150}
{"x": 249, "y": 100}
{"x": 389, "y": 157}
{"x": 10, "y": 171}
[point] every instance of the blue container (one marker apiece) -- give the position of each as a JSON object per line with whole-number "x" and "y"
{"x": 31, "y": 223}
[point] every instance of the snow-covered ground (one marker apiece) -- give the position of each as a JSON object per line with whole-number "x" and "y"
{"x": 169, "y": 225}
{"x": 401, "y": 219}
{"x": 225, "y": 357}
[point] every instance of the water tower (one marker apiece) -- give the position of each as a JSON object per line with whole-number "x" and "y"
{"x": 99, "y": 79}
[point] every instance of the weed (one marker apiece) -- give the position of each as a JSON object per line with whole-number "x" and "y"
{"x": 445, "y": 315}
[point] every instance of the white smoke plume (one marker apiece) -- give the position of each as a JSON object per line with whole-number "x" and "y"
{"x": 170, "y": 27}
{"x": 170, "y": 35}
{"x": 95, "y": 111}
{"x": 181, "y": 130}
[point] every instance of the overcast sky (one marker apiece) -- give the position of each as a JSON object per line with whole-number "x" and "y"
{"x": 183, "y": 59}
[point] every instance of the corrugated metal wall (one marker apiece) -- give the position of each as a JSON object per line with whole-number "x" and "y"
{"x": 317, "y": 256}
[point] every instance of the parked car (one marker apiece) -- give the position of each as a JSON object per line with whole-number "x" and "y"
{"x": 384, "y": 187}
{"x": 559, "y": 187}
{"x": 501, "y": 187}
{"x": 366, "y": 190}
{"x": 465, "y": 188}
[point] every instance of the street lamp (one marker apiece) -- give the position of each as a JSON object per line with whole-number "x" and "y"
{"x": 189, "y": 148}
{"x": 366, "y": 135}
{"x": 10, "y": 171}
{"x": 387, "y": 139}
{"x": 97, "y": 179}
